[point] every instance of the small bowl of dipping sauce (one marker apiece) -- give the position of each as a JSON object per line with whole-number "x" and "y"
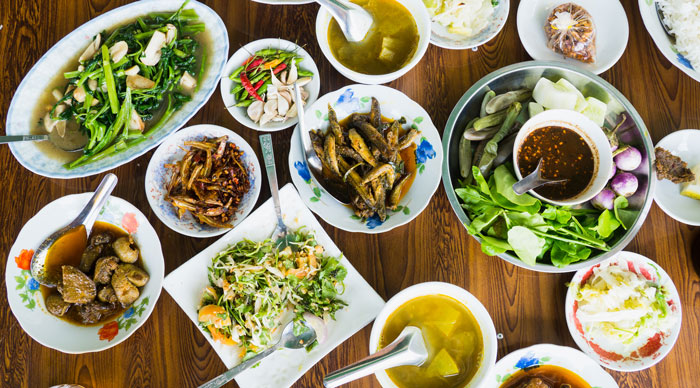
{"x": 572, "y": 147}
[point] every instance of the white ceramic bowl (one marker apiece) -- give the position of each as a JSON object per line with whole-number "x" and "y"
{"x": 647, "y": 8}
{"x": 654, "y": 273}
{"x": 612, "y": 31}
{"x": 445, "y": 39}
{"x": 591, "y": 133}
{"x": 27, "y": 303}
{"x": 419, "y": 13}
{"x": 393, "y": 104}
{"x": 172, "y": 150}
{"x": 482, "y": 316}
{"x": 240, "y": 56}
{"x": 685, "y": 144}
{"x": 546, "y": 354}
{"x": 36, "y": 84}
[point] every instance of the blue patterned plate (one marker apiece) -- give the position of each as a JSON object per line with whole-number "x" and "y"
{"x": 36, "y": 84}
{"x": 546, "y": 354}
{"x": 428, "y": 157}
{"x": 172, "y": 150}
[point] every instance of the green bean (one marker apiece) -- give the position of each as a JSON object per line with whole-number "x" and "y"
{"x": 109, "y": 79}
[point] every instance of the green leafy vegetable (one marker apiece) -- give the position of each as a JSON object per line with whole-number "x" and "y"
{"x": 606, "y": 224}
{"x": 625, "y": 217}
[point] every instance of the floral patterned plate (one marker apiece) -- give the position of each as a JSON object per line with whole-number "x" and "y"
{"x": 547, "y": 354}
{"x": 172, "y": 150}
{"x": 394, "y": 104}
{"x": 647, "y": 8}
{"x": 25, "y": 298}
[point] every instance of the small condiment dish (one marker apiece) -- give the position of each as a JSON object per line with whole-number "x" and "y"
{"x": 419, "y": 13}
{"x": 442, "y": 37}
{"x": 245, "y": 52}
{"x": 589, "y": 131}
{"x": 488, "y": 331}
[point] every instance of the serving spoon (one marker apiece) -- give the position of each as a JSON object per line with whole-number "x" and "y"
{"x": 86, "y": 218}
{"x": 61, "y": 145}
{"x": 353, "y": 20}
{"x": 660, "y": 14}
{"x": 337, "y": 191}
{"x": 288, "y": 340}
{"x": 407, "y": 349}
{"x": 533, "y": 181}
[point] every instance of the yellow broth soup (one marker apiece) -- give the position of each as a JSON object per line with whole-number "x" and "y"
{"x": 389, "y": 45}
{"x": 453, "y": 338}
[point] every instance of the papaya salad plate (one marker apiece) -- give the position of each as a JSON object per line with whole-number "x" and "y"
{"x": 240, "y": 290}
{"x": 100, "y": 323}
{"x": 104, "y": 102}
{"x": 386, "y": 152}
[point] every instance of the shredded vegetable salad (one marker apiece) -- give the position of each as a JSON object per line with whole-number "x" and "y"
{"x": 254, "y": 286}
{"x": 618, "y": 306}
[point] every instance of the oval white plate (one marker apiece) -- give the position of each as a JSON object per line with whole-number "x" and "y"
{"x": 612, "y": 31}
{"x": 240, "y": 56}
{"x": 684, "y": 144}
{"x": 393, "y": 104}
{"x": 653, "y": 272}
{"x": 647, "y": 9}
{"x": 27, "y": 303}
{"x": 445, "y": 39}
{"x": 34, "y": 86}
{"x": 283, "y": 2}
{"x": 172, "y": 150}
{"x": 547, "y": 354}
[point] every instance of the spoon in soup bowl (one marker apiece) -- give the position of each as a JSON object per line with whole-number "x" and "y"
{"x": 407, "y": 349}
{"x": 353, "y": 20}
{"x": 86, "y": 219}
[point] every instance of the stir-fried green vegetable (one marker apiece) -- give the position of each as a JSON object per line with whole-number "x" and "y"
{"x": 254, "y": 286}
{"x": 130, "y": 81}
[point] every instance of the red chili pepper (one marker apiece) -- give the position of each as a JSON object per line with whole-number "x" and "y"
{"x": 247, "y": 61}
{"x": 254, "y": 64}
{"x": 258, "y": 84}
{"x": 279, "y": 68}
{"x": 249, "y": 88}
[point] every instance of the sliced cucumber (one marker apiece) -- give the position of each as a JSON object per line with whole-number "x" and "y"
{"x": 534, "y": 108}
{"x": 596, "y": 110}
{"x": 596, "y": 91}
{"x": 553, "y": 96}
{"x": 580, "y": 100}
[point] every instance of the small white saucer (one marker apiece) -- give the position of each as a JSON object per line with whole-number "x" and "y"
{"x": 609, "y": 18}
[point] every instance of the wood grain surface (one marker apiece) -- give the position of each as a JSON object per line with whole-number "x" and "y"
{"x": 527, "y": 307}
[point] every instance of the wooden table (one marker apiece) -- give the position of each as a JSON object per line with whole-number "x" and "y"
{"x": 527, "y": 307}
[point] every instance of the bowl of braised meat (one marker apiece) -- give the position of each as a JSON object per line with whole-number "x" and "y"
{"x": 109, "y": 280}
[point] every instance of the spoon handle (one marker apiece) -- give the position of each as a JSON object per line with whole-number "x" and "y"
{"x": 395, "y": 354}
{"x": 227, "y": 376}
{"x": 14, "y": 138}
{"x": 303, "y": 132}
{"x": 92, "y": 209}
{"x": 526, "y": 184}
{"x": 269, "y": 158}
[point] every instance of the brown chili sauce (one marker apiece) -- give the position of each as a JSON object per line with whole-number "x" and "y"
{"x": 565, "y": 155}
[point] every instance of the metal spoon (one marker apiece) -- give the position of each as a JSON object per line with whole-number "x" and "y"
{"x": 339, "y": 192}
{"x": 407, "y": 349}
{"x": 62, "y": 145}
{"x": 289, "y": 340}
{"x": 354, "y": 20}
{"x": 281, "y": 232}
{"x": 660, "y": 14}
{"x": 86, "y": 218}
{"x": 533, "y": 181}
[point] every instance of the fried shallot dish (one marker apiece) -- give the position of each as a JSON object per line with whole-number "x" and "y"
{"x": 210, "y": 181}
{"x": 373, "y": 156}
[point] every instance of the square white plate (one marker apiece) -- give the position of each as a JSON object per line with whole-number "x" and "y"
{"x": 285, "y": 366}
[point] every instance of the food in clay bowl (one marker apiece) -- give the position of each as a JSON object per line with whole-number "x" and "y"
{"x": 625, "y": 312}
{"x": 110, "y": 280}
{"x": 537, "y": 233}
{"x": 396, "y": 42}
{"x": 458, "y": 333}
{"x": 116, "y": 87}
